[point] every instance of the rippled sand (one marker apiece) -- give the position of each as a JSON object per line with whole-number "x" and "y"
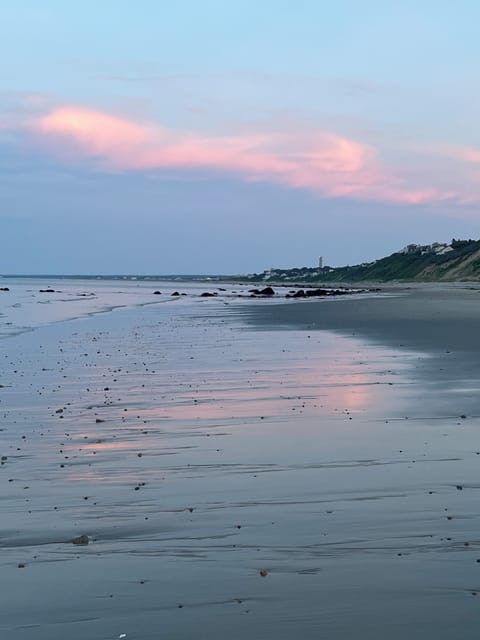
{"x": 196, "y": 452}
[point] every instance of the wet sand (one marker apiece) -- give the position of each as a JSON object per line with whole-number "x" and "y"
{"x": 426, "y": 317}
{"x": 197, "y": 449}
{"x": 439, "y": 321}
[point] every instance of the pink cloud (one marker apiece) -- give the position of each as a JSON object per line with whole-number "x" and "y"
{"x": 94, "y": 133}
{"x": 324, "y": 162}
{"x": 466, "y": 154}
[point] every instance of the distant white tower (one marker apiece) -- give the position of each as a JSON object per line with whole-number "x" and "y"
{"x": 320, "y": 262}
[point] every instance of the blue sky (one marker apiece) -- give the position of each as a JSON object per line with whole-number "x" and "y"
{"x": 212, "y": 137}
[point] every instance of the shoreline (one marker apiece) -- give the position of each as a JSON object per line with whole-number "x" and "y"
{"x": 231, "y": 482}
{"x": 23, "y": 306}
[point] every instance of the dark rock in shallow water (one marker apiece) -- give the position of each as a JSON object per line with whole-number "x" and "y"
{"x": 268, "y": 291}
{"x": 316, "y": 293}
{"x": 206, "y": 294}
{"x": 157, "y": 293}
{"x": 175, "y": 293}
{"x": 83, "y": 539}
{"x": 46, "y": 290}
{"x": 309, "y": 293}
{"x": 4, "y": 289}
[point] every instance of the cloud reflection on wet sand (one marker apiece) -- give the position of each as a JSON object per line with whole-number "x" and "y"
{"x": 193, "y": 464}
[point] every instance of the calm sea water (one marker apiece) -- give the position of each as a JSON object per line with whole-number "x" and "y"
{"x": 37, "y": 301}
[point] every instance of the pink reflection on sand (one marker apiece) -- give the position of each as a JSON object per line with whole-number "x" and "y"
{"x": 280, "y": 393}
{"x": 110, "y": 445}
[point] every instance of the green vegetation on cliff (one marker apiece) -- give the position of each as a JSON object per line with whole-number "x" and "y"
{"x": 458, "y": 260}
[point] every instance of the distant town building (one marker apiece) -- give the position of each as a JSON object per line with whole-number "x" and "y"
{"x": 437, "y": 248}
{"x": 320, "y": 262}
{"x": 410, "y": 248}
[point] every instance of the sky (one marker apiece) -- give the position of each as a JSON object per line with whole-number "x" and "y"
{"x": 202, "y": 137}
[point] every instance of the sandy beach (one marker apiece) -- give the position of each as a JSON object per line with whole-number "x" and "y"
{"x": 243, "y": 469}
{"x": 437, "y": 321}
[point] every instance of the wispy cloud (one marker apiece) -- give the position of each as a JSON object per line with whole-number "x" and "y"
{"x": 470, "y": 155}
{"x": 324, "y": 162}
